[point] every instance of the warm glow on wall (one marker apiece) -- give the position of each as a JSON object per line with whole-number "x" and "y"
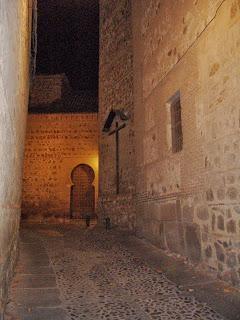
{"x": 55, "y": 145}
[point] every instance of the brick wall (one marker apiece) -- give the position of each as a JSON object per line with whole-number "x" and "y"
{"x": 55, "y": 145}
{"x": 116, "y": 92}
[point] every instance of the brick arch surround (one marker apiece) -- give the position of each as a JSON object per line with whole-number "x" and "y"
{"x": 82, "y": 192}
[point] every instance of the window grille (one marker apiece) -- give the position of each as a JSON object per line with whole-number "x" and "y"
{"x": 176, "y": 124}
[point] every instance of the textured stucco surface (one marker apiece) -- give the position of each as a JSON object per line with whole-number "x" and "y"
{"x": 55, "y": 145}
{"x": 186, "y": 202}
{"x": 14, "y": 62}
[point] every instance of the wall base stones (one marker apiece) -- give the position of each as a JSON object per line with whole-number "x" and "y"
{"x": 120, "y": 210}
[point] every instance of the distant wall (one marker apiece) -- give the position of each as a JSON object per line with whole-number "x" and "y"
{"x": 53, "y": 94}
{"x": 15, "y": 22}
{"x": 48, "y": 89}
{"x": 55, "y": 145}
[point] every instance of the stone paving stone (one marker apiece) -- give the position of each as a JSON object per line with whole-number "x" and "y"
{"x": 37, "y": 297}
{"x": 37, "y": 314}
{"x": 36, "y": 281}
{"x": 98, "y": 278}
{"x": 41, "y": 260}
{"x": 26, "y": 252}
{"x": 45, "y": 314}
{"x": 34, "y": 270}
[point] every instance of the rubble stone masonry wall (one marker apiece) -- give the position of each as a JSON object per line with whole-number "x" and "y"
{"x": 47, "y": 89}
{"x": 116, "y": 92}
{"x": 55, "y": 145}
{"x": 186, "y": 202}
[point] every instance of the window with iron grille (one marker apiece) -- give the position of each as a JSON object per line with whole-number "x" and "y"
{"x": 176, "y": 123}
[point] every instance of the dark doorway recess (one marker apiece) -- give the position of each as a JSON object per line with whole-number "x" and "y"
{"x": 82, "y": 202}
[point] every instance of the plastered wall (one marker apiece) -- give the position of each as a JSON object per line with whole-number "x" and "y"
{"x": 55, "y": 145}
{"x": 15, "y": 22}
{"x": 187, "y": 202}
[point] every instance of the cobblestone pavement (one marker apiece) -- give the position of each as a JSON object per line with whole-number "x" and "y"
{"x": 96, "y": 278}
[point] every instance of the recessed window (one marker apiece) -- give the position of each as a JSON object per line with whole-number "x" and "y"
{"x": 176, "y": 123}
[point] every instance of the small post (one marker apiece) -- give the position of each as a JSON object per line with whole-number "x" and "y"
{"x": 88, "y": 218}
{"x": 117, "y": 159}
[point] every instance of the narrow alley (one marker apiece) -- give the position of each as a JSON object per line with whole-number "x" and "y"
{"x": 121, "y": 114}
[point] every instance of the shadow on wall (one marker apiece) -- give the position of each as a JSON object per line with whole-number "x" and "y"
{"x": 82, "y": 197}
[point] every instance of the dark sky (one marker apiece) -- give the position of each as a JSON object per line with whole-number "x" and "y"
{"x": 68, "y": 40}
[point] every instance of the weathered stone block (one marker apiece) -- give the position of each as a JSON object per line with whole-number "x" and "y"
{"x": 188, "y": 213}
{"x": 237, "y": 209}
{"x": 232, "y": 193}
{"x": 219, "y": 252}
{"x": 209, "y": 195}
{"x": 220, "y": 222}
{"x": 221, "y": 194}
{"x": 231, "y": 259}
{"x": 231, "y": 226}
{"x": 168, "y": 212}
{"x": 213, "y": 222}
{"x": 193, "y": 243}
{"x": 208, "y": 251}
{"x": 202, "y": 213}
{"x": 173, "y": 237}
{"x": 155, "y": 211}
{"x": 162, "y": 241}
{"x": 235, "y": 277}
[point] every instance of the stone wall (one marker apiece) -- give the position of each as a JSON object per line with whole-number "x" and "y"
{"x": 188, "y": 202}
{"x": 116, "y": 92}
{"x": 14, "y": 72}
{"x": 52, "y": 94}
{"x": 55, "y": 145}
{"x": 48, "y": 89}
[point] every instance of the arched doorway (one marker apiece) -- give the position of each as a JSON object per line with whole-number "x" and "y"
{"x": 82, "y": 201}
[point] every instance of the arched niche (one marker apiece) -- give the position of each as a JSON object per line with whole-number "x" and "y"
{"x": 82, "y": 197}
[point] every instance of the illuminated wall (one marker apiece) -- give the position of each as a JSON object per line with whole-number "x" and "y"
{"x": 186, "y": 202}
{"x": 15, "y": 29}
{"x": 55, "y": 145}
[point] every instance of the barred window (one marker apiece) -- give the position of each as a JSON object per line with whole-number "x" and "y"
{"x": 176, "y": 123}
